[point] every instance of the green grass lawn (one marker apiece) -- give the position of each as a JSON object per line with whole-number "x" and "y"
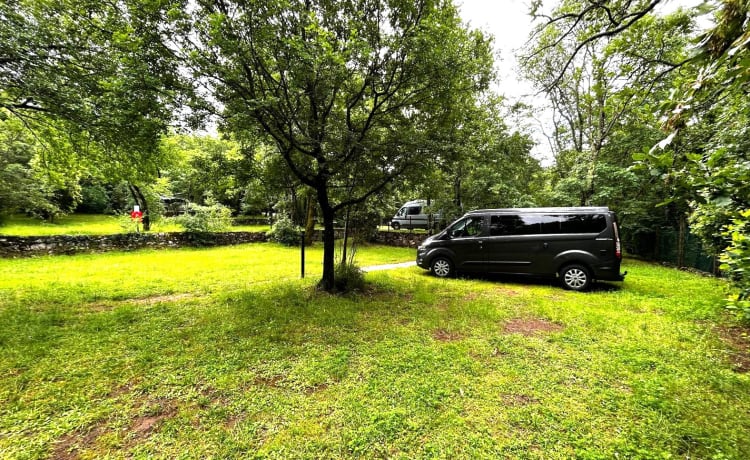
{"x": 92, "y": 224}
{"x": 226, "y": 353}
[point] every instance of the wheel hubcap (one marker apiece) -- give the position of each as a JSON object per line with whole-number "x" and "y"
{"x": 575, "y": 278}
{"x": 442, "y": 268}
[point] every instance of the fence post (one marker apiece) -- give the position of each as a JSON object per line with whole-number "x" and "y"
{"x": 302, "y": 255}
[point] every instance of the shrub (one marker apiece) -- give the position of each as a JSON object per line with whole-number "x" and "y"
{"x": 285, "y": 232}
{"x": 348, "y": 277}
{"x": 736, "y": 262}
{"x": 94, "y": 199}
{"x": 204, "y": 219}
{"x": 129, "y": 225}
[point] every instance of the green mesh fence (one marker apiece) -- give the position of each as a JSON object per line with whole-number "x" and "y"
{"x": 664, "y": 247}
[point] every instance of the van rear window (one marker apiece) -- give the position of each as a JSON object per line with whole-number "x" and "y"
{"x": 536, "y": 224}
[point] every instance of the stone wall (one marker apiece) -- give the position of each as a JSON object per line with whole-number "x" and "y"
{"x": 400, "y": 239}
{"x": 17, "y": 246}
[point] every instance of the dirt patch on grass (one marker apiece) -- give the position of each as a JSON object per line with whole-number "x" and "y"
{"x": 311, "y": 389}
{"x": 442, "y": 335}
{"x": 123, "y": 390}
{"x": 233, "y": 421}
{"x": 270, "y": 382}
{"x": 162, "y": 299}
{"x": 530, "y": 326}
{"x": 111, "y": 305}
{"x": 738, "y": 340}
{"x": 70, "y": 446}
{"x": 518, "y": 400}
{"x": 507, "y": 292}
{"x": 142, "y": 426}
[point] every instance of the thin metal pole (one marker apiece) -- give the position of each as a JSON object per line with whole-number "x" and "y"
{"x": 302, "y": 255}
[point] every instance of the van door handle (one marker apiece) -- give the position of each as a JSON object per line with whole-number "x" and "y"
{"x": 545, "y": 245}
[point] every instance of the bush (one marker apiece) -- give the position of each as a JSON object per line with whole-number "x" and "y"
{"x": 285, "y": 232}
{"x": 736, "y": 262}
{"x": 348, "y": 277}
{"x": 94, "y": 200}
{"x": 204, "y": 219}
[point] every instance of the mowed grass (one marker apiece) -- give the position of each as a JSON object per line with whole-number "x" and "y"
{"x": 226, "y": 353}
{"x": 93, "y": 224}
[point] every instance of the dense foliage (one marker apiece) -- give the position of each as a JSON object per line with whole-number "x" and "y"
{"x": 203, "y": 219}
{"x": 284, "y": 231}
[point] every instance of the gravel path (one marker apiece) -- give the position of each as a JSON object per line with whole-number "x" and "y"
{"x": 375, "y": 268}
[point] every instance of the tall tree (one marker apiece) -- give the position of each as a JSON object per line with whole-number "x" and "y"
{"x": 350, "y": 91}
{"x": 97, "y": 71}
{"x": 603, "y": 81}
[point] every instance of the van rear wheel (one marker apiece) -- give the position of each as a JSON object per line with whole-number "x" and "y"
{"x": 575, "y": 278}
{"x": 441, "y": 267}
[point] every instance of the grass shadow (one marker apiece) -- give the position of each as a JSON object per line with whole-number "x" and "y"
{"x": 529, "y": 280}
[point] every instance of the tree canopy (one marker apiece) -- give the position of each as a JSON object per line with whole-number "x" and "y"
{"x": 351, "y": 92}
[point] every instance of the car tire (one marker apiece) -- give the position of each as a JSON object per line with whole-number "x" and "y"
{"x": 442, "y": 267}
{"x": 395, "y": 225}
{"x": 575, "y": 278}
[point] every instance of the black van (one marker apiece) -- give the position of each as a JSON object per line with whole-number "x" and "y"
{"x": 579, "y": 245}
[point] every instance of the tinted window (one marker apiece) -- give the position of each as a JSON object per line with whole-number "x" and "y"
{"x": 583, "y": 223}
{"x": 550, "y": 224}
{"x": 534, "y": 224}
{"x": 470, "y": 226}
{"x": 414, "y": 211}
{"x": 514, "y": 225}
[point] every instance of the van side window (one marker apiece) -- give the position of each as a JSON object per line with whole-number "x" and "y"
{"x": 583, "y": 223}
{"x": 535, "y": 224}
{"x": 514, "y": 225}
{"x": 550, "y": 224}
{"x": 413, "y": 211}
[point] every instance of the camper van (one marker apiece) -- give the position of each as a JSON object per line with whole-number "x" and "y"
{"x": 414, "y": 214}
{"x": 577, "y": 245}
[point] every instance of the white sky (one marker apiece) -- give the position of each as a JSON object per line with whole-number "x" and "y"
{"x": 509, "y": 22}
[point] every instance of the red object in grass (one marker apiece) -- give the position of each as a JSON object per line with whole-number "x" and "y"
{"x": 136, "y": 215}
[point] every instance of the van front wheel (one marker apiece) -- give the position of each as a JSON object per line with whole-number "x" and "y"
{"x": 575, "y": 277}
{"x": 441, "y": 267}
{"x": 395, "y": 225}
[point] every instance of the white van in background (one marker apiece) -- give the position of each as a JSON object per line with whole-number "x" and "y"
{"x": 415, "y": 214}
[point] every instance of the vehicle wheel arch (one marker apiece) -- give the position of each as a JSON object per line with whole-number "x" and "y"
{"x": 574, "y": 257}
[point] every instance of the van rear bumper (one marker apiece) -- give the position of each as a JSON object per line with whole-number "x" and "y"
{"x": 610, "y": 274}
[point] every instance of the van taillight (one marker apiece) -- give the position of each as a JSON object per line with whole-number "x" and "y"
{"x": 618, "y": 246}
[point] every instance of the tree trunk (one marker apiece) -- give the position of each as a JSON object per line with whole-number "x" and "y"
{"x": 137, "y": 195}
{"x": 326, "y": 283}
{"x": 457, "y": 200}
